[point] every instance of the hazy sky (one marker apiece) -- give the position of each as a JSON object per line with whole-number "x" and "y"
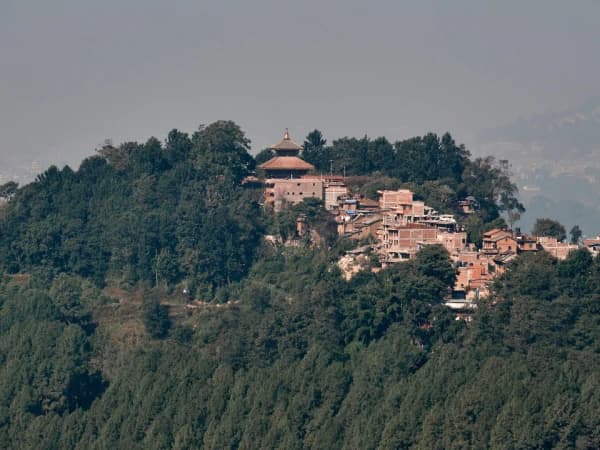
{"x": 74, "y": 72}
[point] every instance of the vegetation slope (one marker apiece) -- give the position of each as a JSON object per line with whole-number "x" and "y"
{"x": 97, "y": 348}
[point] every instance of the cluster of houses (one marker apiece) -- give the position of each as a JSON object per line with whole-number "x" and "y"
{"x": 399, "y": 226}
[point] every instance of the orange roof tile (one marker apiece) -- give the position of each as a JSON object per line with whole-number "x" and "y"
{"x": 494, "y": 232}
{"x": 286, "y": 163}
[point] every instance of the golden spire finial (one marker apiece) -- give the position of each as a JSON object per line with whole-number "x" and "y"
{"x": 286, "y": 135}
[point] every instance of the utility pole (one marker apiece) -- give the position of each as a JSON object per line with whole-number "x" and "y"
{"x": 331, "y": 167}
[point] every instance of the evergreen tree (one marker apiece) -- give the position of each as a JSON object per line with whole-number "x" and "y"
{"x": 576, "y": 234}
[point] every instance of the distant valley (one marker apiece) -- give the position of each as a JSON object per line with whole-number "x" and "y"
{"x": 556, "y": 164}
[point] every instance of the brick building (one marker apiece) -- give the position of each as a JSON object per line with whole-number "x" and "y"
{"x": 288, "y": 180}
{"x": 497, "y": 242}
{"x": 401, "y": 243}
{"x": 556, "y": 248}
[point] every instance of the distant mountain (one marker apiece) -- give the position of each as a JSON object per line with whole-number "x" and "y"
{"x": 556, "y": 163}
{"x": 572, "y": 134}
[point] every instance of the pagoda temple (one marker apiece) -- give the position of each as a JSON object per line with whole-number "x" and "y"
{"x": 286, "y": 163}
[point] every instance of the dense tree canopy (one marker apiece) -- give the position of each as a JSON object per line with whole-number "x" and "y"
{"x": 436, "y": 168}
{"x": 278, "y": 350}
{"x": 172, "y": 213}
{"x": 306, "y": 359}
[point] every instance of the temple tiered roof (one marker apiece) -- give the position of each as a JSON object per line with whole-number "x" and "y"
{"x": 287, "y": 146}
{"x": 286, "y": 163}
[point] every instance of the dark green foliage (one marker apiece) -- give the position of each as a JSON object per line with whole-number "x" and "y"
{"x": 142, "y": 212}
{"x": 309, "y": 360}
{"x": 293, "y": 356}
{"x": 316, "y": 217}
{"x": 434, "y": 261}
{"x": 430, "y": 158}
{"x": 315, "y": 150}
{"x": 155, "y": 316}
{"x": 8, "y": 190}
{"x": 489, "y": 182}
{"x": 221, "y": 149}
{"x": 46, "y": 370}
{"x": 68, "y": 295}
{"x": 263, "y": 156}
{"x": 576, "y": 234}
{"x": 183, "y": 334}
{"x": 550, "y": 228}
{"x": 417, "y": 159}
{"x": 436, "y": 169}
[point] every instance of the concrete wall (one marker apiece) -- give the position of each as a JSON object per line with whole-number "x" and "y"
{"x": 292, "y": 191}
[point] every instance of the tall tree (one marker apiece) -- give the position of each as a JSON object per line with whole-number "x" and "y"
{"x": 489, "y": 181}
{"x": 549, "y": 228}
{"x": 315, "y": 151}
{"x": 351, "y": 155}
{"x": 513, "y": 208}
{"x": 223, "y": 147}
{"x": 178, "y": 146}
{"x": 576, "y": 234}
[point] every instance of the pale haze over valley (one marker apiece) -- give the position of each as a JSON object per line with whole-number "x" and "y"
{"x": 518, "y": 80}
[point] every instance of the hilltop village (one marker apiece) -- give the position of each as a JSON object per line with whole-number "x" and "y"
{"x": 396, "y": 226}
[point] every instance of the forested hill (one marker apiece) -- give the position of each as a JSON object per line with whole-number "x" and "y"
{"x": 98, "y": 349}
{"x": 142, "y": 212}
{"x": 177, "y": 214}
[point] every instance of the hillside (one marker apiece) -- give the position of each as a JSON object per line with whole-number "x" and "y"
{"x": 142, "y": 308}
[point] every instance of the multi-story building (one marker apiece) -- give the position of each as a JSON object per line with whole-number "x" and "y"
{"x": 556, "y": 248}
{"x": 409, "y": 224}
{"x": 334, "y": 189}
{"x": 498, "y": 242}
{"x": 454, "y": 242}
{"x": 280, "y": 192}
{"x": 400, "y": 201}
{"x": 527, "y": 243}
{"x": 402, "y": 242}
{"x": 288, "y": 180}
